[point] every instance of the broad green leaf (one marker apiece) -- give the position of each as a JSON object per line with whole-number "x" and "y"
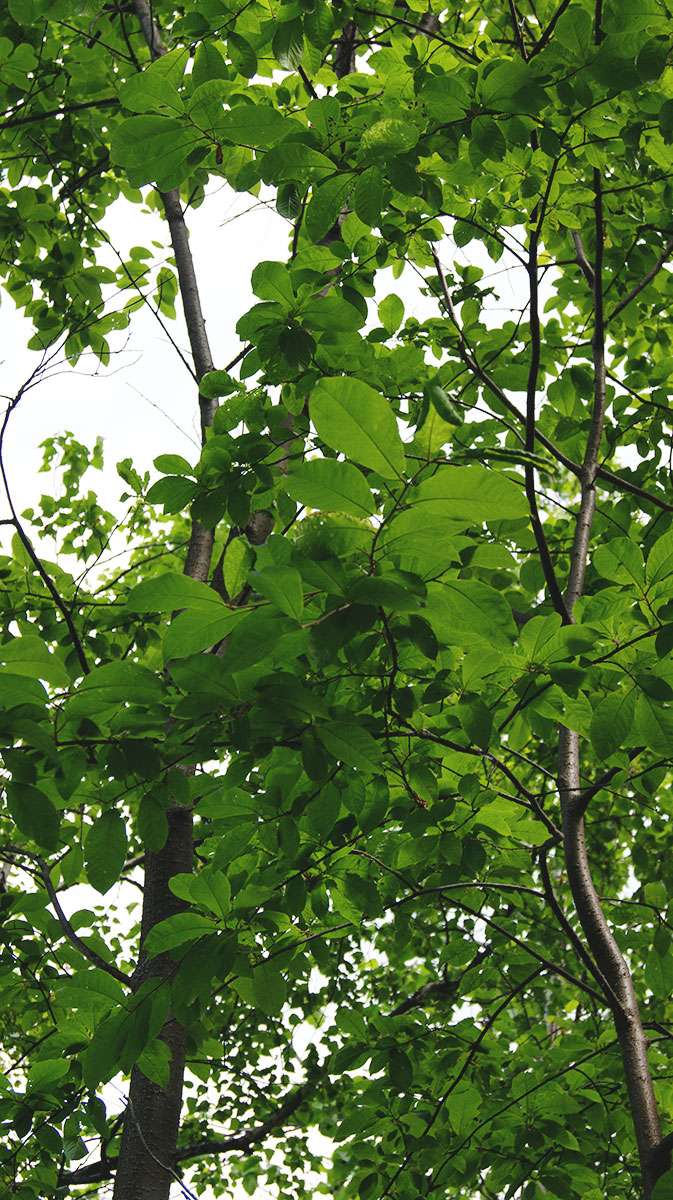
{"x": 198, "y": 629}
{"x": 489, "y": 138}
{"x": 150, "y": 91}
{"x": 242, "y": 55}
{"x": 391, "y": 313}
{"x": 368, "y": 196}
{"x": 660, "y": 559}
{"x": 389, "y": 136}
{"x": 354, "y": 419}
{"x": 574, "y": 29}
{"x": 473, "y": 494}
{"x": 350, "y": 744}
{"x": 465, "y": 610}
{"x": 238, "y": 560}
{"x": 654, "y": 724}
{"x": 326, "y": 204}
{"x": 288, "y": 43}
{"x": 268, "y": 988}
{"x": 152, "y": 148}
{"x": 105, "y": 849}
{"x": 217, "y": 383}
{"x": 170, "y": 592}
{"x": 152, "y": 824}
{"x": 620, "y": 560}
{"x": 254, "y": 125}
{"x": 295, "y": 161}
{"x": 612, "y": 721}
{"x": 46, "y": 1072}
{"x": 334, "y": 486}
{"x": 173, "y": 464}
{"x": 17, "y": 688}
{"x": 115, "y": 685}
{"x": 176, "y": 931}
{"x": 476, "y": 721}
{"x": 34, "y": 814}
{"x": 663, "y": 1188}
{"x": 283, "y": 587}
{"x": 271, "y": 281}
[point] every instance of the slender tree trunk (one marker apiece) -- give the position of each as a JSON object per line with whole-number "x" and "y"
{"x": 149, "y": 1139}
{"x": 616, "y": 975}
{"x": 147, "y": 1154}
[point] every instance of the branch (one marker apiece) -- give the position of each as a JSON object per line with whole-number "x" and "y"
{"x": 581, "y": 258}
{"x": 97, "y": 1172}
{"x": 666, "y": 253}
{"x": 540, "y": 45}
{"x": 490, "y": 1021}
{"x": 619, "y": 993}
{"x": 623, "y": 485}
{"x": 529, "y": 470}
{"x": 14, "y": 122}
{"x": 72, "y": 936}
{"x": 27, "y": 544}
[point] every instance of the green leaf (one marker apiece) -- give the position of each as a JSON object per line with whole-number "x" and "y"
{"x": 198, "y": 629}
{"x": 326, "y": 205}
{"x": 654, "y": 724}
{"x": 152, "y": 148}
{"x": 149, "y": 91}
{"x": 268, "y": 988}
{"x": 43, "y": 1074}
{"x": 660, "y": 559}
{"x": 350, "y": 744}
{"x": 488, "y": 138}
{"x": 476, "y": 721}
{"x": 620, "y": 560}
{"x": 173, "y": 464}
{"x": 174, "y": 492}
{"x": 612, "y": 722}
{"x": 255, "y": 125}
{"x": 242, "y": 55}
{"x": 663, "y": 1188}
{"x": 288, "y": 43}
{"x": 389, "y": 136}
{"x": 473, "y": 494}
{"x": 354, "y": 419}
{"x": 152, "y": 824}
{"x": 283, "y": 587}
{"x": 391, "y": 313}
{"x": 217, "y": 383}
{"x": 468, "y": 611}
{"x": 238, "y": 560}
{"x": 574, "y": 29}
{"x": 34, "y": 814}
{"x": 155, "y": 1063}
{"x": 105, "y": 850}
{"x": 170, "y": 592}
{"x": 368, "y": 196}
{"x": 330, "y": 485}
{"x": 271, "y": 281}
{"x": 297, "y": 161}
{"x": 176, "y": 931}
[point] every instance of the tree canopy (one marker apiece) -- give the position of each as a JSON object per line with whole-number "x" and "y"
{"x": 326, "y": 743}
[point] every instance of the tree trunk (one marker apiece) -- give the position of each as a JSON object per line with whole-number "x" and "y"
{"x": 152, "y": 1119}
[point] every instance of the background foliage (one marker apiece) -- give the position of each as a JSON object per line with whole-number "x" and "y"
{"x": 423, "y": 626}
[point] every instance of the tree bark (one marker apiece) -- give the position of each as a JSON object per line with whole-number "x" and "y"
{"x": 147, "y": 1154}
